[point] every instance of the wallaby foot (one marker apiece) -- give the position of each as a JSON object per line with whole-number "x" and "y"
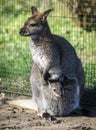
{"x": 47, "y": 116}
{"x": 44, "y": 114}
{"x": 77, "y": 111}
{"x": 81, "y": 111}
{"x": 40, "y": 113}
{"x": 85, "y": 112}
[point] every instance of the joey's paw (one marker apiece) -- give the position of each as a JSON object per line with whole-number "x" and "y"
{"x": 61, "y": 79}
{"x": 44, "y": 82}
{"x": 46, "y": 76}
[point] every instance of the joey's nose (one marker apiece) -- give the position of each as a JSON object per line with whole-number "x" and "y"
{"x": 62, "y": 92}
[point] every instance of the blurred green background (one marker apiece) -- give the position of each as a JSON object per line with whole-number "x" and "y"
{"x": 15, "y": 57}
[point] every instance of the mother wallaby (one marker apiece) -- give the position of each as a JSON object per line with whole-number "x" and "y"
{"x": 53, "y": 55}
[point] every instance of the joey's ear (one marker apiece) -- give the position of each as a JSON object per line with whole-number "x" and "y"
{"x": 70, "y": 79}
{"x": 34, "y": 10}
{"x": 45, "y": 14}
{"x": 49, "y": 84}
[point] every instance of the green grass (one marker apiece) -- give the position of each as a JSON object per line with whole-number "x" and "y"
{"x": 15, "y": 57}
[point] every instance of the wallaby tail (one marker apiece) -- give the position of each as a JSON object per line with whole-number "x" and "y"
{"x": 24, "y": 103}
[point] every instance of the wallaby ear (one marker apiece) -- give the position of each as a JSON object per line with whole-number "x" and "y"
{"x": 34, "y": 10}
{"x": 45, "y": 14}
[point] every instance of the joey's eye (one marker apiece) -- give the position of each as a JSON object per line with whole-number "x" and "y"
{"x": 32, "y": 25}
{"x": 54, "y": 90}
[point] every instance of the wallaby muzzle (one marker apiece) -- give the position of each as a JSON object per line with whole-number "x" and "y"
{"x": 25, "y": 32}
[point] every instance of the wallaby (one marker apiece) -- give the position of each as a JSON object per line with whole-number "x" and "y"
{"x": 70, "y": 65}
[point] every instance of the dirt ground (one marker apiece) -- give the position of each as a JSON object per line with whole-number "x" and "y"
{"x": 16, "y": 118}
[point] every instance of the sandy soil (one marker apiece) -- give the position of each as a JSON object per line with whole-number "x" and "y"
{"x": 16, "y": 118}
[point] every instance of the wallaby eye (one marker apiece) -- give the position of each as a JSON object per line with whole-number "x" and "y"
{"x": 32, "y": 25}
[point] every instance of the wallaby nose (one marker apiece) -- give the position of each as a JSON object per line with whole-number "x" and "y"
{"x": 21, "y": 31}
